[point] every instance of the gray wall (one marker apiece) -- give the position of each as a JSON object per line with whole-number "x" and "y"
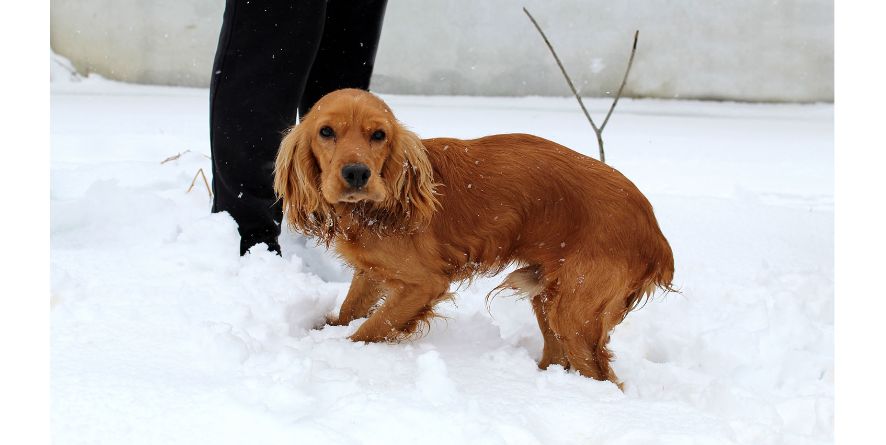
{"x": 753, "y": 50}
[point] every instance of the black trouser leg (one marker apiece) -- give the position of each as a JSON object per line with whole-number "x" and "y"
{"x": 346, "y": 55}
{"x": 264, "y": 55}
{"x": 268, "y": 52}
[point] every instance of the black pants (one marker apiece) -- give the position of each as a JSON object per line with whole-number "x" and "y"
{"x": 273, "y": 58}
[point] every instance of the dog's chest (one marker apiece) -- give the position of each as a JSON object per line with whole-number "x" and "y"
{"x": 391, "y": 256}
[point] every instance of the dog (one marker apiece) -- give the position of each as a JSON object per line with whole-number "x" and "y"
{"x": 413, "y": 215}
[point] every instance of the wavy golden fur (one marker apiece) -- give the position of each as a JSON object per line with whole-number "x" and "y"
{"x": 440, "y": 210}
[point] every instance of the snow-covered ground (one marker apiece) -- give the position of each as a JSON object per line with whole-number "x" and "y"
{"x": 161, "y": 333}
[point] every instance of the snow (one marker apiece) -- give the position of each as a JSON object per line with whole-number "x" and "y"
{"x": 161, "y": 333}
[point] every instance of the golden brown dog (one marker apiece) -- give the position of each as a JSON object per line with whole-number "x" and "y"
{"x": 411, "y": 216}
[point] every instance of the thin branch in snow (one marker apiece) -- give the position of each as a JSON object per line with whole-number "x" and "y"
{"x": 624, "y": 80}
{"x": 597, "y": 131}
{"x": 205, "y": 182}
{"x": 174, "y": 157}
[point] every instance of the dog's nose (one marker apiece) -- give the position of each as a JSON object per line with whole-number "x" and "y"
{"x": 356, "y": 175}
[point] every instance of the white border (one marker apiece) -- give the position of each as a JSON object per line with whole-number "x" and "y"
{"x": 859, "y": 251}
{"x": 24, "y": 188}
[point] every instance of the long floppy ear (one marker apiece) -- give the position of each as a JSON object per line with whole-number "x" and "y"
{"x": 297, "y": 182}
{"x": 411, "y": 178}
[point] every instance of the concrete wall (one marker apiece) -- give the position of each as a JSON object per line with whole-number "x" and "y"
{"x": 754, "y": 50}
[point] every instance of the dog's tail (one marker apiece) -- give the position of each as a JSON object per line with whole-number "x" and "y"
{"x": 659, "y": 275}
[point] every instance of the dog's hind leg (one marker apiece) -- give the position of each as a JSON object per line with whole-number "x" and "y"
{"x": 589, "y": 306}
{"x": 527, "y": 281}
{"x": 584, "y": 340}
{"x": 552, "y": 353}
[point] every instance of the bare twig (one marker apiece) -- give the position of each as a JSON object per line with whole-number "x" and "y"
{"x": 205, "y": 182}
{"x": 624, "y": 80}
{"x": 597, "y": 130}
{"x": 563, "y": 70}
{"x": 174, "y": 157}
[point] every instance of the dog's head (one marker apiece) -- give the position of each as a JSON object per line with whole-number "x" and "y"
{"x": 350, "y": 152}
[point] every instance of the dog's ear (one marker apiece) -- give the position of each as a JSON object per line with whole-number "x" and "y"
{"x": 297, "y": 183}
{"x": 411, "y": 178}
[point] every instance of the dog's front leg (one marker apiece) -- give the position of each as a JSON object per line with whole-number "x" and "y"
{"x": 407, "y": 306}
{"x": 365, "y": 291}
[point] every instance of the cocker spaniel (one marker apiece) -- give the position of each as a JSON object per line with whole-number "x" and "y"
{"x": 413, "y": 215}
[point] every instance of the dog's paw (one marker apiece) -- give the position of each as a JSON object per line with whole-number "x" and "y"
{"x": 366, "y": 337}
{"x": 337, "y": 320}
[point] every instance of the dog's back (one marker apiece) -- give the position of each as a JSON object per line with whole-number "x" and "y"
{"x": 530, "y": 199}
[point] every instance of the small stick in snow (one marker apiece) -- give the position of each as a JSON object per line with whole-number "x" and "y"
{"x": 174, "y": 157}
{"x": 205, "y": 182}
{"x": 597, "y": 131}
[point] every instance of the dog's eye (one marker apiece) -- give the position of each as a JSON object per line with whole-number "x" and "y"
{"x": 378, "y": 135}
{"x": 327, "y": 132}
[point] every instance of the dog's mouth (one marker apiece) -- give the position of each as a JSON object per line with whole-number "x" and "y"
{"x": 356, "y": 195}
{"x": 353, "y": 197}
